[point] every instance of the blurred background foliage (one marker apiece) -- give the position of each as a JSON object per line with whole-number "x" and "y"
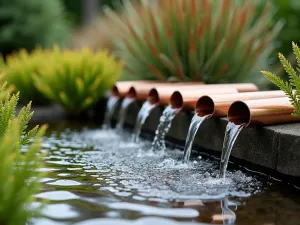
{"x": 289, "y": 12}
{"x": 23, "y": 24}
{"x": 26, "y": 24}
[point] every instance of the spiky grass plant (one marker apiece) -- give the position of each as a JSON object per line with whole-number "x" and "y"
{"x": 18, "y": 71}
{"x": 77, "y": 79}
{"x": 19, "y": 176}
{"x": 294, "y": 79}
{"x": 207, "y": 40}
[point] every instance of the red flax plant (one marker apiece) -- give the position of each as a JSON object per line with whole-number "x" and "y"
{"x": 214, "y": 41}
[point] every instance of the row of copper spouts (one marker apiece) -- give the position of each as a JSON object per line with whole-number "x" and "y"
{"x": 242, "y": 103}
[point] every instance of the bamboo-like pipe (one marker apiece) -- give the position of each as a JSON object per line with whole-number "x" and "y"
{"x": 121, "y": 88}
{"x": 141, "y": 91}
{"x": 163, "y": 94}
{"x": 261, "y": 112}
{"x": 188, "y": 98}
{"x": 218, "y": 105}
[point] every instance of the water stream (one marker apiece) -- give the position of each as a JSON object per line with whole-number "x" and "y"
{"x": 141, "y": 119}
{"x": 111, "y": 106}
{"x": 123, "y": 111}
{"x": 231, "y": 133}
{"x": 194, "y": 126}
{"x": 165, "y": 122}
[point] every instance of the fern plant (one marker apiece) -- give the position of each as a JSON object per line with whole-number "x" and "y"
{"x": 18, "y": 71}
{"x": 8, "y": 105}
{"x": 207, "y": 40}
{"x": 19, "y": 176}
{"x": 294, "y": 79}
{"x": 77, "y": 79}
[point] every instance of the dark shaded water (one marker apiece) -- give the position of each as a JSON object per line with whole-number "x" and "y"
{"x": 101, "y": 177}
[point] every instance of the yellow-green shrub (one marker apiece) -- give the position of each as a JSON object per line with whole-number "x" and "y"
{"x": 77, "y": 79}
{"x": 18, "y": 71}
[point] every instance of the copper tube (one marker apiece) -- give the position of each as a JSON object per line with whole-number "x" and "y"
{"x": 141, "y": 91}
{"x": 241, "y": 87}
{"x": 187, "y": 98}
{"x": 262, "y": 112}
{"x": 163, "y": 94}
{"x": 121, "y": 88}
{"x": 218, "y": 105}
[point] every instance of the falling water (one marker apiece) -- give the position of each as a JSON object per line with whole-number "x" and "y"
{"x": 194, "y": 126}
{"x": 110, "y": 109}
{"x": 232, "y": 131}
{"x": 123, "y": 111}
{"x": 163, "y": 128}
{"x": 141, "y": 119}
{"x": 229, "y": 216}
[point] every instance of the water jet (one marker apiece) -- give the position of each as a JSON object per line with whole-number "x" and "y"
{"x": 242, "y": 114}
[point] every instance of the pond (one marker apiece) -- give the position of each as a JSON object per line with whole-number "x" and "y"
{"x": 96, "y": 176}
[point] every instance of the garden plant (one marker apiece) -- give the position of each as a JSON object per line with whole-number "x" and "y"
{"x": 294, "y": 80}
{"x": 20, "y": 161}
{"x": 18, "y": 70}
{"x": 212, "y": 41}
{"x": 77, "y": 79}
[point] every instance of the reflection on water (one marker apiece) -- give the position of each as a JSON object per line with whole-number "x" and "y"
{"x": 100, "y": 177}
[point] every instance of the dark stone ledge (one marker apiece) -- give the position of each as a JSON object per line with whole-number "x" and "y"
{"x": 46, "y": 113}
{"x": 273, "y": 148}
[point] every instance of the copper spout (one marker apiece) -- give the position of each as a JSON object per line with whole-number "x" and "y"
{"x": 218, "y": 105}
{"x": 187, "y": 98}
{"x": 262, "y": 112}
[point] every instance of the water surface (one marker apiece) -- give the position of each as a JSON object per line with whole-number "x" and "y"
{"x": 101, "y": 177}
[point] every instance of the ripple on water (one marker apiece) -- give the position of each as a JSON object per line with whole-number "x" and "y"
{"x": 156, "y": 211}
{"x": 65, "y": 183}
{"x": 57, "y": 195}
{"x": 60, "y": 211}
{"x": 143, "y": 221}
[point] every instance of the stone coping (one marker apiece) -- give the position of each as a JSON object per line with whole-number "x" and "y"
{"x": 273, "y": 148}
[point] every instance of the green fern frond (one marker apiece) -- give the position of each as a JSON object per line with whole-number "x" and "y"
{"x": 291, "y": 88}
{"x": 284, "y": 86}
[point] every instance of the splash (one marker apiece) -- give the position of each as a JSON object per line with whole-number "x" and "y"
{"x": 195, "y": 124}
{"x": 110, "y": 109}
{"x": 123, "y": 111}
{"x": 141, "y": 119}
{"x": 163, "y": 128}
{"x": 232, "y": 132}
